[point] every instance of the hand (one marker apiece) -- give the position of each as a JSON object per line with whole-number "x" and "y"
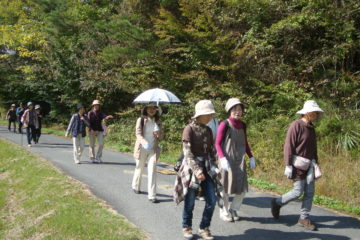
{"x": 82, "y": 118}
{"x": 201, "y": 177}
{"x": 156, "y": 134}
{"x": 288, "y": 171}
{"x": 109, "y": 117}
{"x": 224, "y": 164}
{"x": 252, "y": 163}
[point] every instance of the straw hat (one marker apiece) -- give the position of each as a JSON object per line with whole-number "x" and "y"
{"x": 204, "y": 107}
{"x": 231, "y": 103}
{"x": 310, "y": 106}
{"x": 96, "y": 102}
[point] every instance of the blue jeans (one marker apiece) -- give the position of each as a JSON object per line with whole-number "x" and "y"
{"x": 32, "y": 135}
{"x": 208, "y": 189}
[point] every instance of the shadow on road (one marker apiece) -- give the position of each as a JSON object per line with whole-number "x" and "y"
{"x": 55, "y": 145}
{"x": 262, "y": 234}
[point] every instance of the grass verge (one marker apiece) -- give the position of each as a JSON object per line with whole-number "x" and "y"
{"x": 39, "y": 202}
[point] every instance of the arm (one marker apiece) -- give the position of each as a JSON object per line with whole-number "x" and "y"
{"x": 248, "y": 150}
{"x": 139, "y": 133}
{"x": 289, "y": 146}
{"x": 70, "y": 126}
{"x": 8, "y": 115}
{"x": 219, "y": 139}
{"x": 86, "y": 120}
{"x": 189, "y": 157}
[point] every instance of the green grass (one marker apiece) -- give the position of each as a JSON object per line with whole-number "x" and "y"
{"x": 39, "y": 202}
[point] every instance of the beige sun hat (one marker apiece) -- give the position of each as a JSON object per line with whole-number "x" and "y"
{"x": 204, "y": 107}
{"x": 96, "y": 102}
{"x": 310, "y": 106}
{"x": 231, "y": 103}
{"x": 13, "y": 105}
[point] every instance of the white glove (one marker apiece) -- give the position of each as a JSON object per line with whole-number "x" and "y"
{"x": 224, "y": 164}
{"x": 288, "y": 171}
{"x": 147, "y": 146}
{"x": 252, "y": 163}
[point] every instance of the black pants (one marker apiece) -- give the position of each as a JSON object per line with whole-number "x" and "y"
{"x": 20, "y": 126}
{"x": 31, "y": 133}
{"x": 9, "y": 126}
{"x": 38, "y": 134}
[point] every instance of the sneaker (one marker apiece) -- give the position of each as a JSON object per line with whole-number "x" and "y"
{"x": 29, "y": 145}
{"x": 154, "y": 200}
{"x": 306, "y": 223}
{"x": 226, "y": 218}
{"x": 187, "y": 233}
{"x": 201, "y": 198}
{"x": 98, "y": 159}
{"x": 234, "y": 215}
{"x": 136, "y": 191}
{"x": 206, "y": 234}
{"x": 275, "y": 209}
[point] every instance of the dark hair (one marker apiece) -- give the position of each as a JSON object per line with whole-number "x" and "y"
{"x": 242, "y": 108}
{"x": 157, "y": 114}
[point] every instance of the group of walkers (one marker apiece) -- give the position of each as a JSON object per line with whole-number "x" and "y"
{"x": 29, "y": 118}
{"x": 212, "y": 163}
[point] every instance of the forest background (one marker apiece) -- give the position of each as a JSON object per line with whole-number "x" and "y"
{"x": 272, "y": 54}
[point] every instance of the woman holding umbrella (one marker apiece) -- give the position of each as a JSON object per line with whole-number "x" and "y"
{"x": 148, "y": 134}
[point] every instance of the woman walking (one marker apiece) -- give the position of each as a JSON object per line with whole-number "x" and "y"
{"x": 148, "y": 134}
{"x": 38, "y": 130}
{"x": 77, "y": 128}
{"x": 30, "y": 122}
{"x": 300, "y": 157}
{"x": 231, "y": 145}
{"x": 11, "y": 117}
{"x": 198, "y": 172}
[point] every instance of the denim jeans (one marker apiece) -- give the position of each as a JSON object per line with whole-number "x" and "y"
{"x": 300, "y": 187}
{"x": 32, "y": 135}
{"x": 208, "y": 189}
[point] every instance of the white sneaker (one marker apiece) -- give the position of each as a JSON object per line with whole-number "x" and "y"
{"x": 29, "y": 145}
{"x": 98, "y": 159}
{"x": 226, "y": 218}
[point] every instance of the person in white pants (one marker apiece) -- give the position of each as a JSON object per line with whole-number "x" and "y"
{"x": 148, "y": 134}
{"x": 77, "y": 128}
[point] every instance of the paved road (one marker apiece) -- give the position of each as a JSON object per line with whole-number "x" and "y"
{"x": 111, "y": 181}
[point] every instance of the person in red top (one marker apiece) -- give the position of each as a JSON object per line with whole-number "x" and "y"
{"x": 231, "y": 145}
{"x": 300, "y": 157}
{"x": 96, "y": 131}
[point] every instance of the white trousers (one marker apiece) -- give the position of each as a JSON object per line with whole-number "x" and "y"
{"x": 93, "y": 135}
{"x": 79, "y": 144}
{"x": 150, "y": 158}
{"x": 235, "y": 204}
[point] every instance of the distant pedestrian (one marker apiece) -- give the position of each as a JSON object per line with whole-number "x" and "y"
{"x": 148, "y": 132}
{"x": 11, "y": 117}
{"x": 19, "y": 112}
{"x": 31, "y": 122}
{"x": 77, "y": 128}
{"x": 198, "y": 173}
{"x": 300, "y": 157}
{"x": 96, "y": 131}
{"x": 232, "y": 145}
{"x": 38, "y": 130}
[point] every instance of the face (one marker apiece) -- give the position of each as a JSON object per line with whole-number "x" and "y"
{"x": 151, "y": 111}
{"x": 96, "y": 107}
{"x": 81, "y": 111}
{"x": 38, "y": 110}
{"x": 236, "y": 112}
{"x": 31, "y": 106}
{"x": 204, "y": 119}
{"x": 312, "y": 116}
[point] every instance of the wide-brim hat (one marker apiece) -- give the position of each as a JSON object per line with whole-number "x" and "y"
{"x": 310, "y": 106}
{"x": 204, "y": 107}
{"x": 78, "y": 106}
{"x": 13, "y": 105}
{"x": 233, "y": 102}
{"x": 37, "y": 106}
{"x": 95, "y": 102}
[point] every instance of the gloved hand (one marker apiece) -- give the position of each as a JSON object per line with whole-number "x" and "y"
{"x": 224, "y": 164}
{"x": 147, "y": 146}
{"x": 288, "y": 171}
{"x": 252, "y": 163}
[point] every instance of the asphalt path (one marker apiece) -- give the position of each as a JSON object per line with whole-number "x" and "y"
{"x": 111, "y": 181}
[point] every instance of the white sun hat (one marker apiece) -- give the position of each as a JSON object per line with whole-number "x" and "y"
{"x": 231, "y": 103}
{"x": 37, "y": 106}
{"x": 96, "y": 102}
{"x": 310, "y": 106}
{"x": 204, "y": 107}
